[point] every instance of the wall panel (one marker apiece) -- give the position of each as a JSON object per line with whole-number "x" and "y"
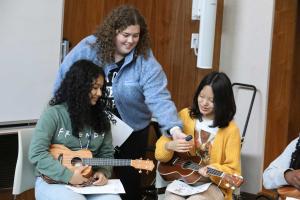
{"x": 283, "y": 105}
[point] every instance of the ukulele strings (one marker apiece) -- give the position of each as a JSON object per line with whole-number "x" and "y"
{"x": 98, "y": 160}
{"x": 195, "y": 167}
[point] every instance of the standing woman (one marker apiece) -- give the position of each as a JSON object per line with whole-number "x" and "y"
{"x": 76, "y": 118}
{"x": 216, "y": 137}
{"x": 136, "y": 82}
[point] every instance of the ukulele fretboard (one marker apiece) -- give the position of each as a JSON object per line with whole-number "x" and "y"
{"x": 106, "y": 162}
{"x": 194, "y": 166}
{"x": 214, "y": 172}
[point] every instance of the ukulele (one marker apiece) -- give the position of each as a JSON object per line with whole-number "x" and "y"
{"x": 72, "y": 159}
{"x": 185, "y": 168}
{"x": 288, "y": 191}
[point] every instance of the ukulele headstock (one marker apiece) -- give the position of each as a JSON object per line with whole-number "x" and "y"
{"x": 140, "y": 164}
{"x": 233, "y": 181}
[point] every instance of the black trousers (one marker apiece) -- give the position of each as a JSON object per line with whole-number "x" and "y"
{"x": 133, "y": 148}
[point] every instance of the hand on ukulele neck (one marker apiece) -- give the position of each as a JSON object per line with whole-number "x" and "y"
{"x": 203, "y": 171}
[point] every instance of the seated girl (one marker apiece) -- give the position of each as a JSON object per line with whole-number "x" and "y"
{"x": 75, "y": 118}
{"x": 215, "y": 137}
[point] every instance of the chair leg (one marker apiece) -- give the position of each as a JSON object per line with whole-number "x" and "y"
{"x": 237, "y": 194}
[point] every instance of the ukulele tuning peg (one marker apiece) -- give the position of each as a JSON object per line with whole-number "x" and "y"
{"x": 147, "y": 172}
{"x": 227, "y": 185}
{"x": 140, "y": 171}
{"x": 233, "y": 188}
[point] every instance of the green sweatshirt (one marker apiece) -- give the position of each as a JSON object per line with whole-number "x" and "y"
{"x": 54, "y": 127}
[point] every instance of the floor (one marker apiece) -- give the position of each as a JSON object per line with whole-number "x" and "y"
{"x": 6, "y": 194}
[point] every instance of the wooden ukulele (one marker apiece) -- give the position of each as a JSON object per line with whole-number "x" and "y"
{"x": 72, "y": 159}
{"x": 185, "y": 168}
{"x": 288, "y": 191}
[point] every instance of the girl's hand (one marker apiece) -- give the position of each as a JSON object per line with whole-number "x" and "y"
{"x": 100, "y": 179}
{"x": 179, "y": 145}
{"x": 77, "y": 178}
{"x": 203, "y": 171}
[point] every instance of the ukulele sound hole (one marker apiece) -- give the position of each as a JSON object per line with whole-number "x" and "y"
{"x": 187, "y": 165}
{"x": 77, "y": 162}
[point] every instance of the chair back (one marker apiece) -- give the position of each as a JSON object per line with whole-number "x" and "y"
{"x": 24, "y": 173}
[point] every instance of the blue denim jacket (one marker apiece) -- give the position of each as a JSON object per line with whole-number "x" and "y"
{"x": 139, "y": 89}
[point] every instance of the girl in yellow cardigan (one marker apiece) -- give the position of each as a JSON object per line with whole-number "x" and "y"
{"x": 216, "y": 137}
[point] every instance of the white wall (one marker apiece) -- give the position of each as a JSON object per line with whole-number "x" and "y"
{"x": 30, "y": 37}
{"x": 245, "y": 57}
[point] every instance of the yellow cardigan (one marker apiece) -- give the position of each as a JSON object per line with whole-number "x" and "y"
{"x": 225, "y": 152}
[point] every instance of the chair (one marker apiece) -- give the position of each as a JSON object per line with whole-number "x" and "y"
{"x": 253, "y": 89}
{"x": 24, "y": 173}
{"x": 150, "y": 191}
{"x": 237, "y": 86}
{"x": 160, "y": 185}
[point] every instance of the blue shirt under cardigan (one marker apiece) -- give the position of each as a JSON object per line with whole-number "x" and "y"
{"x": 139, "y": 89}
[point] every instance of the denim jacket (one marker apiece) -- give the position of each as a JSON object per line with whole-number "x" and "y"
{"x": 139, "y": 89}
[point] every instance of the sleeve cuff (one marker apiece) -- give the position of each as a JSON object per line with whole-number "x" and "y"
{"x": 67, "y": 176}
{"x": 280, "y": 180}
{"x": 173, "y": 130}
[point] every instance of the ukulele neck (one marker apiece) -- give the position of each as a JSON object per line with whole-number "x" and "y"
{"x": 106, "y": 162}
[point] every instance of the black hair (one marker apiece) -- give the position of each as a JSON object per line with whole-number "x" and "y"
{"x": 295, "y": 158}
{"x": 74, "y": 91}
{"x": 224, "y": 103}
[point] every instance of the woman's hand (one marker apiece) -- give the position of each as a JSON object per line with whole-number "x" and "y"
{"x": 77, "y": 178}
{"x": 177, "y": 133}
{"x": 292, "y": 177}
{"x": 100, "y": 178}
{"x": 179, "y": 145}
{"x": 203, "y": 171}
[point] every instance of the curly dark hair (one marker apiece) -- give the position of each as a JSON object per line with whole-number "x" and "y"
{"x": 224, "y": 103}
{"x": 295, "y": 158}
{"x": 117, "y": 21}
{"x": 74, "y": 91}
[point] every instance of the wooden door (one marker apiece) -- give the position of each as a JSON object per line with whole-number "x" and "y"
{"x": 283, "y": 114}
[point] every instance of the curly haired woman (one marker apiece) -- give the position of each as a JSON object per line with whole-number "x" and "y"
{"x": 136, "y": 82}
{"x": 76, "y": 119}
